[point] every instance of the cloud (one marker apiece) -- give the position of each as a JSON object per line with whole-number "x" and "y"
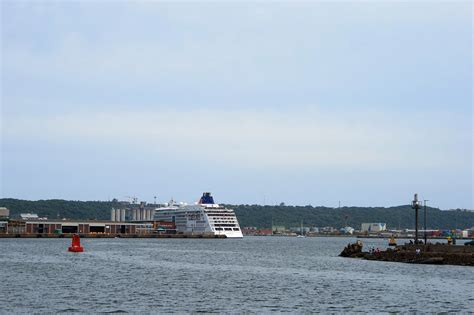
{"x": 247, "y": 45}
{"x": 304, "y": 139}
{"x": 236, "y": 84}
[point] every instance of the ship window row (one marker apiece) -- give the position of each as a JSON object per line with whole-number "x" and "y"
{"x": 222, "y": 218}
{"x": 226, "y": 229}
{"x": 219, "y": 211}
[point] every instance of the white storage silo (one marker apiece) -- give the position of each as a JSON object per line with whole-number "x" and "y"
{"x": 112, "y": 214}
{"x": 122, "y": 215}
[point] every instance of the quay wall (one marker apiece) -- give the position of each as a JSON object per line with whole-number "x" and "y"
{"x": 112, "y": 236}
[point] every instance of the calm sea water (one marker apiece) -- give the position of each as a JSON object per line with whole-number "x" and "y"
{"x": 254, "y": 275}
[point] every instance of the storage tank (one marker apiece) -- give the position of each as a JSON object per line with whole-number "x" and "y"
{"x": 112, "y": 214}
{"x": 134, "y": 215}
{"x": 117, "y": 215}
{"x": 122, "y": 215}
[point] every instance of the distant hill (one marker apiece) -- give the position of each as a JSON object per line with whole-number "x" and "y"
{"x": 395, "y": 217}
{"x": 54, "y": 208}
{"x": 263, "y": 216}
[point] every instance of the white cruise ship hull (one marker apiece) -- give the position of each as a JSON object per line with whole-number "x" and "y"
{"x": 233, "y": 234}
{"x": 204, "y": 217}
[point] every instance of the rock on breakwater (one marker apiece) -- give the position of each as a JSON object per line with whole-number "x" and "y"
{"x": 419, "y": 254}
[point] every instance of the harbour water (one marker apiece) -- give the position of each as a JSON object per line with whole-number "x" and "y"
{"x": 253, "y": 274}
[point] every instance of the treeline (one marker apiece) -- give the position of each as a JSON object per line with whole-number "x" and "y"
{"x": 264, "y": 216}
{"x": 395, "y": 217}
{"x": 57, "y": 208}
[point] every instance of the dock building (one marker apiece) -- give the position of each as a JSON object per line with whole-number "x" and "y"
{"x": 373, "y": 227}
{"x": 48, "y": 227}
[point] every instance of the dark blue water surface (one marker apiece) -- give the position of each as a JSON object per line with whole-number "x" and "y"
{"x": 253, "y": 275}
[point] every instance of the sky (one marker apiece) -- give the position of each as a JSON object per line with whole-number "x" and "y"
{"x": 306, "y": 103}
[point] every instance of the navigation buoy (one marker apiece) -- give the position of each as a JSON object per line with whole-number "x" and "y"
{"x": 76, "y": 244}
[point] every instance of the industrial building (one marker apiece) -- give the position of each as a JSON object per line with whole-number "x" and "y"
{"x": 373, "y": 227}
{"x": 4, "y": 213}
{"x": 126, "y": 221}
{"x": 73, "y": 226}
{"x": 138, "y": 214}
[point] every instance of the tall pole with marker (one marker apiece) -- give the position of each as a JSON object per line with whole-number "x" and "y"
{"x": 424, "y": 206}
{"x": 416, "y": 205}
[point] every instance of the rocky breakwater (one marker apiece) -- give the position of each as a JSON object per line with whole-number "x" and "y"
{"x": 441, "y": 254}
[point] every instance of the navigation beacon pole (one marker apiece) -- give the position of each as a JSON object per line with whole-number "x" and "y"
{"x": 416, "y": 205}
{"x": 424, "y": 204}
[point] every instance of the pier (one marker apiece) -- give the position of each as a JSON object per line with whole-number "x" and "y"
{"x": 440, "y": 254}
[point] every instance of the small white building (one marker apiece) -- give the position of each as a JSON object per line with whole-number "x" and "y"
{"x": 373, "y": 227}
{"x": 29, "y": 216}
{"x": 347, "y": 230}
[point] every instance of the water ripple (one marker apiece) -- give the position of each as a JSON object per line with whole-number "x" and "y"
{"x": 253, "y": 275}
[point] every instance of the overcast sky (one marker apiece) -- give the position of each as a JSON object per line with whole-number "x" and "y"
{"x": 302, "y": 103}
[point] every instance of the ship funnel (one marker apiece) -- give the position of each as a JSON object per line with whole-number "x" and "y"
{"x": 206, "y": 199}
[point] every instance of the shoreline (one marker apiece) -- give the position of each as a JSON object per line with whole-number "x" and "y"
{"x": 206, "y": 236}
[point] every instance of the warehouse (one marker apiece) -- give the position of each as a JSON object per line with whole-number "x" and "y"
{"x": 70, "y": 226}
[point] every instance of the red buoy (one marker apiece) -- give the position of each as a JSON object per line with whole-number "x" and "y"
{"x": 76, "y": 244}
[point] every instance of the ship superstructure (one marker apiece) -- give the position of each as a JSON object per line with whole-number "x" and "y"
{"x": 204, "y": 217}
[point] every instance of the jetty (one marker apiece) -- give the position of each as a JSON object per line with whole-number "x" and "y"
{"x": 439, "y": 254}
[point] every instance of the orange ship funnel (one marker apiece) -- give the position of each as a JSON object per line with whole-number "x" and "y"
{"x": 76, "y": 244}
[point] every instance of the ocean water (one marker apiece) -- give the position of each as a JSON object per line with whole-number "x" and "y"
{"x": 253, "y": 275}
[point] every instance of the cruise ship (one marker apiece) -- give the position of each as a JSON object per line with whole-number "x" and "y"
{"x": 205, "y": 216}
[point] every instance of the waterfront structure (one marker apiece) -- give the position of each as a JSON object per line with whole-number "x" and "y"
{"x": 373, "y": 227}
{"x": 204, "y": 217}
{"x": 41, "y": 227}
{"x": 278, "y": 229}
{"x": 416, "y": 204}
{"x": 132, "y": 212}
{"x": 347, "y": 230}
{"x": 29, "y": 216}
{"x": 3, "y": 227}
{"x": 4, "y": 213}
{"x": 439, "y": 254}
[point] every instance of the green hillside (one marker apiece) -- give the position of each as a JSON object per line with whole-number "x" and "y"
{"x": 55, "y": 208}
{"x": 263, "y": 216}
{"x": 395, "y": 217}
